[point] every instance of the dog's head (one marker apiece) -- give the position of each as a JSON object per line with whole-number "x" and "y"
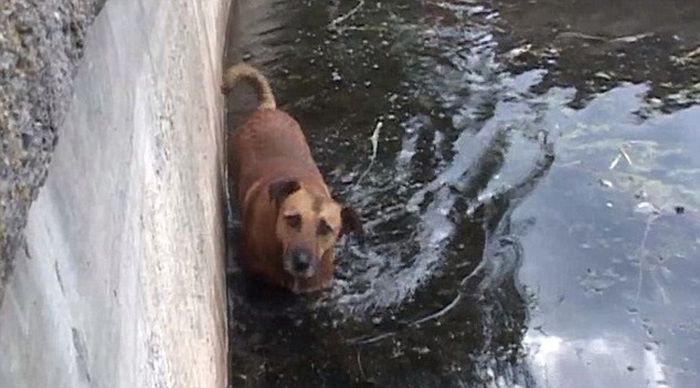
{"x": 308, "y": 226}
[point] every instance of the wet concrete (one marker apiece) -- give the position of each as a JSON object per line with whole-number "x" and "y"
{"x": 532, "y": 209}
{"x": 121, "y": 283}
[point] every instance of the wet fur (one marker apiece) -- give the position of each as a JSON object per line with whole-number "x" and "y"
{"x": 273, "y": 176}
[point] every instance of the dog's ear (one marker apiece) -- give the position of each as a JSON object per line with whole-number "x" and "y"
{"x": 352, "y": 224}
{"x": 282, "y": 189}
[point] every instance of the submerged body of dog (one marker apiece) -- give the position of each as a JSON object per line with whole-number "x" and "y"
{"x": 290, "y": 222}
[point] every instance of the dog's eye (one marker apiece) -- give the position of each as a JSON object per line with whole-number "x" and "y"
{"x": 293, "y": 220}
{"x": 323, "y": 228}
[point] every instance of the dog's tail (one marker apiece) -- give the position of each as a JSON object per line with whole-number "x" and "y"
{"x": 245, "y": 72}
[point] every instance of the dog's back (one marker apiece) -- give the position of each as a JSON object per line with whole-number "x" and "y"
{"x": 269, "y": 142}
{"x": 290, "y": 221}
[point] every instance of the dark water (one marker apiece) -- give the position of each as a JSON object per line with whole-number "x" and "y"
{"x": 532, "y": 204}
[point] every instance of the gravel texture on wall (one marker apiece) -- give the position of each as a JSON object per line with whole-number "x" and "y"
{"x": 41, "y": 42}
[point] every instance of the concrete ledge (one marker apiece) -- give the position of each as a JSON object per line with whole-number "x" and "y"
{"x": 122, "y": 281}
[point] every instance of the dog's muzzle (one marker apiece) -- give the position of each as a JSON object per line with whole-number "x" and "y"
{"x": 299, "y": 263}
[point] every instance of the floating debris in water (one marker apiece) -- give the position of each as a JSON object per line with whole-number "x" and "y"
{"x": 632, "y": 38}
{"x": 421, "y": 350}
{"x": 347, "y": 178}
{"x": 518, "y": 51}
{"x": 412, "y": 208}
{"x": 624, "y": 153}
{"x": 335, "y": 22}
{"x": 646, "y": 208}
{"x": 338, "y": 169}
{"x": 621, "y": 154}
{"x": 605, "y": 183}
{"x": 687, "y": 57}
{"x": 615, "y": 161}
{"x": 603, "y": 75}
{"x": 375, "y": 138}
{"x": 375, "y": 143}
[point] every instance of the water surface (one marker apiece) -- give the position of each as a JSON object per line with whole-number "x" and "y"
{"x": 529, "y": 177}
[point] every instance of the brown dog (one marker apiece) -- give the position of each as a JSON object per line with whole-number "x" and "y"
{"x": 290, "y": 222}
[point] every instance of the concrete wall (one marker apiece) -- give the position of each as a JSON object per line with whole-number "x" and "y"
{"x": 122, "y": 281}
{"x": 41, "y": 42}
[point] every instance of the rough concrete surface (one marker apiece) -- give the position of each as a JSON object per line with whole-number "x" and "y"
{"x": 121, "y": 283}
{"x": 41, "y": 42}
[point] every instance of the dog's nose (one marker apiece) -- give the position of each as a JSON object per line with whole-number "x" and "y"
{"x": 301, "y": 261}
